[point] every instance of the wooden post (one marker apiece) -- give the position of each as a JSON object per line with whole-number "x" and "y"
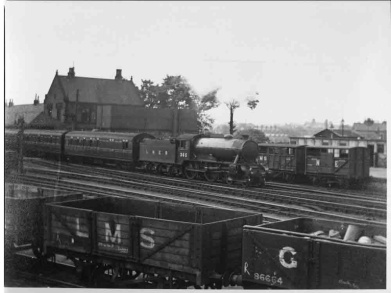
{"x": 21, "y": 140}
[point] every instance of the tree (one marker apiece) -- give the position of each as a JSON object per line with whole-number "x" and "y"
{"x": 149, "y": 93}
{"x": 369, "y": 122}
{"x": 232, "y": 106}
{"x": 252, "y": 103}
{"x": 254, "y": 134}
{"x": 203, "y": 104}
{"x": 176, "y": 93}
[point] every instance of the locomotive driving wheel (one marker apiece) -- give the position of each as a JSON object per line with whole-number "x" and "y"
{"x": 189, "y": 173}
{"x": 211, "y": 176}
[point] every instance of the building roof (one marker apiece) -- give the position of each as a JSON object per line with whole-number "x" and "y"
{"x": 337, "y": 133}
{"x": 27, "y": 112}
{"x": 99, "y": 90}
{"x": 44, "y": 121}
{"x": 374, "y": 127}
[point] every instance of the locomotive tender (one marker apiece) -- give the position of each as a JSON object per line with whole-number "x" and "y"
{"x": 212, "y": 157}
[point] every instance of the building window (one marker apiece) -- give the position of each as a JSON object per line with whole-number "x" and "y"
{"x": 343, "y": 143}
{"x": 325, "y": 142}
{"x": 380, "y": 148}
{"x": 50, "y": 109}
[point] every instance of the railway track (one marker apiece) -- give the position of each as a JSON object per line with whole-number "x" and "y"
{"x": 269, "y": 203}
{"x": 326, "y": 200}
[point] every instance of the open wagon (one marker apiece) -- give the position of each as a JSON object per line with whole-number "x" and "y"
{"x": 147, "y": 243}
{"x": 23, "y": 206}
{"x": 314, "y": 254}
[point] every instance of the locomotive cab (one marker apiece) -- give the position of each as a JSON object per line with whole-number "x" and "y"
{"x": 183, "y": 153}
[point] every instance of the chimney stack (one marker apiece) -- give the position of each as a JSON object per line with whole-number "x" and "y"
{"x": 71, "y": 72}
{"x": 118, "y": 76}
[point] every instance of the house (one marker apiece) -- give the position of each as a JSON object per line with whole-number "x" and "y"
{"x": 14, "y": 114}
{"x": 79, "y": 101}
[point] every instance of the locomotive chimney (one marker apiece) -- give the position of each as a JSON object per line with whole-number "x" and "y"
{"x": 71, "y": 72}
{"x": 118, "y": 76}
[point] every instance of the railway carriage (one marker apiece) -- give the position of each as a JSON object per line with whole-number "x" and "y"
{"x": 11, "y": 140}
{"x": 43, "y": 143}
{"x": 104, "y": 147}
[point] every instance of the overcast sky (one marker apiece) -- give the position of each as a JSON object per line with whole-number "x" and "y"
{"x": 321, "y": 60}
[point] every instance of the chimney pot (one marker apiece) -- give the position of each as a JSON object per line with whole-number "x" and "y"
{"x": 71, "y": 72}
{"x": 118, "y": 76}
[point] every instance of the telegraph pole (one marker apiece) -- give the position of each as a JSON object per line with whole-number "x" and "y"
{"x": 21, "y": 140}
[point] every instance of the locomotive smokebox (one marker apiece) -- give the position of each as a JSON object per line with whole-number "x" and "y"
{"x": 225, "y": 149}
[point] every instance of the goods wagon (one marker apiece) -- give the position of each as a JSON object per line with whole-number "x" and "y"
{"x": 283, "y": 161}
{"x": 143, "y": 242}
{"x": 305, "y": 253}
{"x": 337, "y": 164}
{"x": 46, "y": 143}
{"x": 109, "y": 147}
{"x": 24, "y": 215}
{"x": 318, "y": 164}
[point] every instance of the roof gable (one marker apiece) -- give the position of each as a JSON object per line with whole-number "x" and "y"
{"x": 27, "y": 112}
{"x": 100, "y": 91}
{"x": 337, "y": 133}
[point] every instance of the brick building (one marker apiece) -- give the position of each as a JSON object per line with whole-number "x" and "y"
{"x": 78, "y": 101}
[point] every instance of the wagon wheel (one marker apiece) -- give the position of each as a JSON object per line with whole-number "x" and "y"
{"x": 170, "y": 171}
{"x": 159, "y": 169}
{"x": 214, "y": 285}
{"x": 211, "y": 176}
{"x": 228, "y": 179}
{"x": 262, "y": 182}
{"x": 148, "y": 167}
{"x": 344, "y": 184}
{"x": 190, "y": 174}
{"x": 315, "y": 181}
{"x": 289, "y": 178}
{"x": 245, "y": 183}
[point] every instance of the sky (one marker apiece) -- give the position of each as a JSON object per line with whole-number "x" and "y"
{"x": 306, "y": 60}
